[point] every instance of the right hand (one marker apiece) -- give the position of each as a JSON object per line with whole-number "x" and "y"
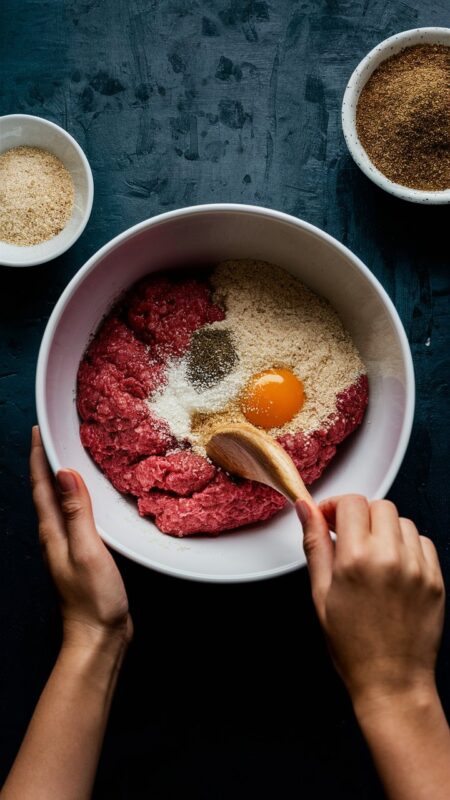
{"x": 379, "y": 595}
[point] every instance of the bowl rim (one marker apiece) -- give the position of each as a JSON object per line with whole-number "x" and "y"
{"x": 163, "y": 218}
{"x": 350, "y": 99}
{"x": 33, "y": 262}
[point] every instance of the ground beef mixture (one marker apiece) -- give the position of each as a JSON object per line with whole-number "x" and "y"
{"x": 180, "y": 490}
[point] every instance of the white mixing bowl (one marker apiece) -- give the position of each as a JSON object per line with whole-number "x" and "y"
{"x": 203, "y": 235}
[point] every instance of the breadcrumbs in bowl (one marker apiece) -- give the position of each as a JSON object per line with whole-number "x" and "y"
{"x": 46, "y": 190}
{"x": 36, "y": 196}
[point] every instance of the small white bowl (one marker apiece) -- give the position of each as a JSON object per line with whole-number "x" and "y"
{"x": 359, "y": 78}
{"x": 17, "y": 130}
{"x": 198, "y": 236}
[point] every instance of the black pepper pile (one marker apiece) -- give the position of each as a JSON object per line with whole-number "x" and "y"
{"x": 211, "y": 357}
{"x": 403, "y": 117}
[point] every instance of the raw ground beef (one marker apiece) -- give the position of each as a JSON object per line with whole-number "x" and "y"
{"x": 223, "y": 504}
{"x": 313, "y": 452}
{"x": 125, "y": 363}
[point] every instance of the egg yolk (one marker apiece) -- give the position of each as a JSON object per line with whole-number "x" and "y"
{"x": 271, "y": 398}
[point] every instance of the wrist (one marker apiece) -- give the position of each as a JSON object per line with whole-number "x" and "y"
{"x": 395, "y": 702}
{"x": 92, "y": 662}
{"x": 99, "y": 641}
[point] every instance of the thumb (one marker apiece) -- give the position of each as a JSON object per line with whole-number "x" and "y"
{"x": 76, "y": 508}
{"x": 319, "y": 551}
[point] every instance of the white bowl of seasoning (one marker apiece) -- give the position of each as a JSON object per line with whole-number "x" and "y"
{"x": 201, "y": 236}
{"x": 383, "y": 51}
{"x": 72, "y": 206}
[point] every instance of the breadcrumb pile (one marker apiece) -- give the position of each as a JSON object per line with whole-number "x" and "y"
{"x": 36, "y": 196}
{"x": 273, "y": 320}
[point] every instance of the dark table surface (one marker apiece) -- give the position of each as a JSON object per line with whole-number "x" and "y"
{"x": 227, "y": 690}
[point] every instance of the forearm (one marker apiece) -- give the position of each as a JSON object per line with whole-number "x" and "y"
{"x": 60, "y": 752}
{"x": 409, "y": 739}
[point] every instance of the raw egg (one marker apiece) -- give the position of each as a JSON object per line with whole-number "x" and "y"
{"x": 271, "y": 398}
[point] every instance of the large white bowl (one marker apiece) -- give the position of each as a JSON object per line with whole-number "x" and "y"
{"x": 389, "y": 47}
{"x": 202, "y": 235}
{"x": 17, "y": 130}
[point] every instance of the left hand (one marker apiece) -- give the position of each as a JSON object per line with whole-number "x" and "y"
{"x": 94, "y": 602}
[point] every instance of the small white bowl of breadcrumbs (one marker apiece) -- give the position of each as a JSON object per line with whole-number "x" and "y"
{"x": 46, "y": 190}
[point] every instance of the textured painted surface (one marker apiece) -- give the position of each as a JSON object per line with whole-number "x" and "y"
{"x": 181, "y": 102}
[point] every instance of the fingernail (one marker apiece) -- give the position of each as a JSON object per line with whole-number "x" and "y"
{"x": 66, "y": 481}
{"x": 302, "y": 509}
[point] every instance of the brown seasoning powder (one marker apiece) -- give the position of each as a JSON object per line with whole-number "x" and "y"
{"x": 36, "y": 196}
{"x": 403, "y": 117}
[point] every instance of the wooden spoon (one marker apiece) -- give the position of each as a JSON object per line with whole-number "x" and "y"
{"x": 251, "y": 453}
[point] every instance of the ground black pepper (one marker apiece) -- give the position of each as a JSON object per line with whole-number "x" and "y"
{"x": 403, "y": 117}
{"x": 211, "y": 357}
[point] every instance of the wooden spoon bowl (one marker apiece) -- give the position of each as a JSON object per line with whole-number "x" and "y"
{"x": 251, "y": 453}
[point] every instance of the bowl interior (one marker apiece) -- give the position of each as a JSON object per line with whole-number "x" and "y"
{"x": 23, "y": 130}
{"x": 389, "y": 47}
{"x": 368, "y": 461}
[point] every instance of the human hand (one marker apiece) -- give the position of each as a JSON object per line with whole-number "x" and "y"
{"x": 379, "y": 595}
{"x": 94, "y": 603}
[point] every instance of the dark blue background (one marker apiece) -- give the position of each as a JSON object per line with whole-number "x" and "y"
{"x": 227, "y": 690}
